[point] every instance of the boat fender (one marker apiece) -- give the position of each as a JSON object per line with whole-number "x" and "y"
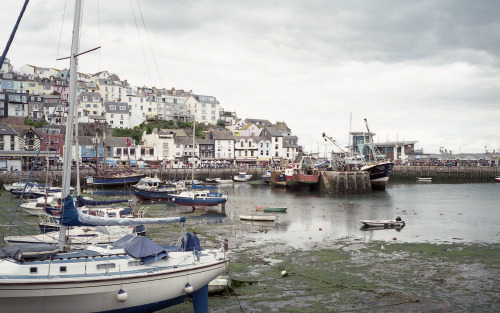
{"x": 398, "y": 218}
{"x": 188, "y": 288}
{"x": 121, "y": 296}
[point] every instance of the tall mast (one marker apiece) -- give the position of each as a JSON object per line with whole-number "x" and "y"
{"x": 68, "y": 140}
{"x": 192, "y": 174}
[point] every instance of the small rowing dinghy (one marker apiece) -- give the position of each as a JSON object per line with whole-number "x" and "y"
{"x": 274, "y": 210}
{"x": 384, "y": 223}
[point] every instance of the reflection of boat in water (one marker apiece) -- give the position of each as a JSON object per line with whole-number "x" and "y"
{"x": 266, "y": 218}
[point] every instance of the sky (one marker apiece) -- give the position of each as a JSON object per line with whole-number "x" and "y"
{"x": 424, "y": 71}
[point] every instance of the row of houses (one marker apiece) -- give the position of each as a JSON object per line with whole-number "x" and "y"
{"x": 167, "y": 146}
{"x": 42, "y": 94}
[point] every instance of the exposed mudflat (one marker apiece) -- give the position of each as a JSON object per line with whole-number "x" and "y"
{"x": 349, "y": 275}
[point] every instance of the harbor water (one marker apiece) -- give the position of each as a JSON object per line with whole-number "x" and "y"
{"x": 433, "y": 213}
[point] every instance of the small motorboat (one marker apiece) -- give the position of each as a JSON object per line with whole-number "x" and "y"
{"x": 266, "y": 218}
{"x": 383, "y": 223}
{"x": 497, "y": 179}
{"x": 242, "y": 177}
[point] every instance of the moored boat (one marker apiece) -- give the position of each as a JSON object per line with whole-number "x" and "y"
{"x": 242, "y": 177}
{"x": 384, "y": 223}
{"x": 271, "y": 209}
{"x": 132, "y": 274}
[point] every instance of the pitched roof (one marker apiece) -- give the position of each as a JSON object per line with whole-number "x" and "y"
{"x": 222, "y": 135}
{"x": 7, "y": 130}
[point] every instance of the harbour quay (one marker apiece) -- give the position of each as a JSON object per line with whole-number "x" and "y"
{"x": 445, "y": 174}
{"x": 334, "y": 182}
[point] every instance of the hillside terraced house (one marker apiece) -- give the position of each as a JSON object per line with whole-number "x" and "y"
{"x": 117, "y": 114}
{"x": 205, "y": 109}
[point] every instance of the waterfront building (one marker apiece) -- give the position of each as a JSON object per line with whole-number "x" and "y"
{"x": 264, "y": 149}
{"x": 164, "y": 139}
{"x": 277, "y": 148}
{"x": 224, "y": 145}
{"x": 246, "y": 150}
{"x": 206, "y": 148}
{"x": 291, "y": 147}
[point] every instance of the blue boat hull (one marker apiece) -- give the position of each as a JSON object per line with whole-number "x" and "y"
{"x": 143, "y": 194}
{"x": 114, "y": 181}
{"x": 188, "y": 201}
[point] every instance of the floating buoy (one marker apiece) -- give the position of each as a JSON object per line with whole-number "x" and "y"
{"x": 84, "y": 191}
{"x": 188, "y": 288}
{"x": 320, "y": 229}
{"x": 395, "y": 238}
{"x": 122, "y": 296}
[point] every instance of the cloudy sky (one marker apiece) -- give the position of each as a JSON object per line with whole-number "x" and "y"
{"x": 425, "y": 71}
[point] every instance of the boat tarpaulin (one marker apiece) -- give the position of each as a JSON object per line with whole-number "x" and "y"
{"x": 81, "y": 201}
{"x": 72, "y": 217}
{"x": 141, "y": 247}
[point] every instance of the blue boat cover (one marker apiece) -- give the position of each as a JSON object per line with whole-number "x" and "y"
{"x": 141, "y": 247}
{"x": 29, "y": 251}
{"x": 190, "y": 242}
{"x": 81, "y": 201}
{"x": 194, "y": 186}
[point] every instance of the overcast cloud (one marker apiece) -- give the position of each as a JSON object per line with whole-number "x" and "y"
{"x": 426, "y": 71}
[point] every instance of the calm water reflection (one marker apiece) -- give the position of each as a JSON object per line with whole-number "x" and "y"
{"x": 432, "y": 212}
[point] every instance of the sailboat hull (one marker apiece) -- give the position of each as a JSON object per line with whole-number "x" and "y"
{"x": 145, "y": 292}
{"x": 115, "y": 181}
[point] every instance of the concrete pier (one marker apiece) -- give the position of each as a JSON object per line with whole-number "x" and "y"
{"x": 345, "y": 182}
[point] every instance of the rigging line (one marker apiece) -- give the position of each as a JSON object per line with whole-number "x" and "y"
{"x": 149, "y": 41}
{"x": 140, "y": 41}
{"x": 60, "y": 32}
{"x": 99, "y": 36}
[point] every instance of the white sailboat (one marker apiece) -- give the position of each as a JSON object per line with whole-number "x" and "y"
{"x": 132, "y": 274}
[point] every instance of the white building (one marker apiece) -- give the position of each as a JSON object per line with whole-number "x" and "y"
{"x": 117, "y": 114}
{"x": 205, "y": 109}
{"x": 224, "y": 145}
